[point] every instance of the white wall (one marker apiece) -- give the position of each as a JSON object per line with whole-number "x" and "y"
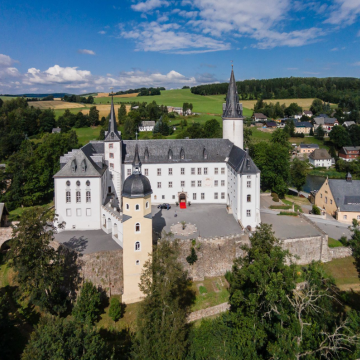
{"x": 233, "y": 131}
{"x": 77, "y": 215}
{"x": 115, "y": 180}
{"x": 207, "y": 182}
{"x": 320, "y": 163}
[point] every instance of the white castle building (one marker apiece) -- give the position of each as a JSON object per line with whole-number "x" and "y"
{"x": 89, "y": 187}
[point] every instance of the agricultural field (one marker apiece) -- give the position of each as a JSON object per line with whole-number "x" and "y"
{"x": 55, "y": 104}
{"x": 105, "y": 95}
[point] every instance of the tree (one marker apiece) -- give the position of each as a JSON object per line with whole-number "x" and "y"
{"x": 320, "y": 133}
{"x": 122, "y": 113}
{"x": 192, "y": 258}
{"x": 47, "y": 120}
{"x": 116, "y": 309}
{"x": 298, "y": 172}
{"x": 87, "y": 307}
{"x": 129, "y": 129}
{"x": 354, "y": 133}
{"x": 247, "y": 136}
{"x": 93, "y": 116}
{"x": 56, "y": 338}
{"x": 292, "y": 109}
{"x": 212, "y": 129}
{"x": 311, "y": 132}
{"x": 47, "y": 276}
{"x": 316, "y": 107}
{"x": 340, "y": 136}
{"x": 162, "y": 319}
{"x": 290, "y": 128}
{"x": 281, "y": 137}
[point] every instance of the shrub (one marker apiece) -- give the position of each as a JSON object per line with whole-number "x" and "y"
{"x": 276, "y": 199}
{"x": 228, "y": 276}
{"x": 281, "y": 207}
{"x": 116, "y": 309}
{"x": 202, "y": 290}
{"x": 288, "y": 213}
{"x": 192, "y": 258}
{"x": 316, "y": 210}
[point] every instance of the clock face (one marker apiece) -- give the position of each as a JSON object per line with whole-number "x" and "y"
{"x": 207, "y": 182}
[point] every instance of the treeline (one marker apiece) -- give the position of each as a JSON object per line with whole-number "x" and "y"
{"x": 332, "y": 89}
{"x": 79, "y": 99}
{"x": 142, "y": 91}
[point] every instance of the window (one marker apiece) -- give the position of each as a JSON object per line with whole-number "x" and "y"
{"x": 163, "y": 197}
{"x": 68, "y": 197}
{"x": 194, "y": 196}
{"x": 155, "y": 197}
{"x": 202, "y": 196}
{"x": 222, "y": 171}
{"x": 216, "y": 196}
{"x": 330, "y": 201}
{"x": 345, "y": 217}
{"x": 192, "y": 171}
{"x": 199, "y": 171}
{"x": 111, "y": 146}
{"x": 358, "y": 217}
{"x": 170, "y": 171}
{"x": 192, "y": 183}
{"x": 248, "y": 213}
{"x": 78, "y": 183}
{"x": 68, "y": 183}
{"x": 182, "y": 171}
{"x": 137, "y": 207}
{"x": 320, "y": 196}
{"x": 170, "y": 184}
{"x": 216, "y": 183}
{"x": 111, "y": 155}
{"x": 88, "y": 196}
{"x": 199, "y": 183}
{"x": 137, "y": 246}
{"x": 137, "y": 227}
{"x": 222, "y": 182}
{"x": 147, "y": 205}
{"x": 78, "y": 212}
{"x": 111, "y": 165}
{"x": 249, "y": 176}
{"x": 78, "y": 196}
{"x": 325, "y": 199}
{"x": 127, "y": 206}
{"x": 182, "y": 183}
{"x": 173, "y": 197}
{"x": 248, "y": 198}
{"x": 159, "y": 172}
{"x": 137, "y": 262}
{"x": 248, "y": 184}
{"x": 88, "y": 212}
{"x": 68, "y": 212}
{"x": 223, "y": 196}
{"x": 146, "y": 172}
{"x": 159, "y": 185}
{"x": 87, "y": 183}
{"x": 205, "y": 171}
{"x": 216, "y": 171}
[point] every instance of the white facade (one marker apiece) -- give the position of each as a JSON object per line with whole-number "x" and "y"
{"x": 321, "y": 163}
{"x": 233, "y": 129}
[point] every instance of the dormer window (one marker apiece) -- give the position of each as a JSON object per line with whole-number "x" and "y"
{"x": 112, "y": 135}
{"x": 170, "y": 154}
{"x": 205, "y": 154}
{"x": 73, "y": 166}
{"x": 182, "y": 154}
{"x": 83, "y": 166}
{"x": 146, "y": 155}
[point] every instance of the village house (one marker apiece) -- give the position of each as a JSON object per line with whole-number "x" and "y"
{"x": 320, "y": 158}
{"x": 271, "y": 125}
{"x": 303, "y": 127}
{"x": 297, "y": 116}
{"x": 147, "y": 126}
{"x": 340, "y": 198}
{"x": 259, "y": 117}
{"x": 178, "y": 110}
{"x": 307, "y": 148}
{"x": 349, "y": 153}
{"x": 326, "y": 123}
{"x": 307, "y": 113}
{"x": 56, "y": 130}
{"x": 348, "y": 123}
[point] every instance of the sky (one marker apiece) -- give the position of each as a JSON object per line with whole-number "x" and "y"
{"x": 79, "y": 47}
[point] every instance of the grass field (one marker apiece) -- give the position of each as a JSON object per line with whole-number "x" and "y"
{"x": 55, "y": 104}
{"x": 87, "y": 134}
{"x": 105, "y": 95}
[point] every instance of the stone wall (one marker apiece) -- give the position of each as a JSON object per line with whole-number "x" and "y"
{"x": 339, "y": 252}
{"x": 214, "y": 310}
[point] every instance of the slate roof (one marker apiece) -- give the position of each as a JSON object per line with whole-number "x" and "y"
{"x": 259, "y": 116}
{"x": 271, "y": 124}
{"x": 148, "y": 123}
{"x": 304, "y": 124}
{"x": 307, "y": 112}
{"x": 3, "y": 210}
{"x": 320, "y": 154}
{"x": 324, "y": 120}
{"x": 350, "y": 148}
{"x": 233, "y": 109}
{"x": 346, "y": 194}
{"x": 112, "y": 134}
{"x": 309, "y": 146}
{"x": 56, "y": 130}
{"x": 136, "y": 186}
{"x": 349, "y": 123}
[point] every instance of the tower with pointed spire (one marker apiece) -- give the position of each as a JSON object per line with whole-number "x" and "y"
{"x": 113, "y": 146}
{"x": 233, "y": 126}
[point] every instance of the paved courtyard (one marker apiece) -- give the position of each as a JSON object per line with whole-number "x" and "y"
{"x": 87, "y": 241}
{"x": 211, "y": 220}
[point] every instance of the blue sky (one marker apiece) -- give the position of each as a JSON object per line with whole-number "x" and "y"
{"x": 78, "y": 46}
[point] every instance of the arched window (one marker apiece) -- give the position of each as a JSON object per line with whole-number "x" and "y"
{"x": 78, "y": 183}
{"x": 127, "y": 207}
{"x": 182, "y": 154}
{"x": 137, "y": 246}
{"x": 147, "y": 204}
{"x": 137, "y": 262}
{"x": 68, "y": 183}
{"x": 68, "y": 196}
{"x": 87, "y": 183}
{"x": 170, "y": 154}
{"x": 137, "y": 227}
{"x": 88, "y": 196}
{"x": 78, "y": 196}
{"x": 137, "y": 207}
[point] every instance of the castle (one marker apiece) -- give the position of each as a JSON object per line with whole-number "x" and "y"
{"x": 111, "y": 184}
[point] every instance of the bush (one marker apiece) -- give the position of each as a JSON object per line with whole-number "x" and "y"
{"x": 281, "y": 207}
{"x": 202, "y": 290}
{"x": 276, "y": 199}
{"x": 316, "y": 210}
{"x": 228, "y": 276}
{"x": 192, "y": 258}
{"x": 116, "y": 309}
{"x": 288, "y": 213}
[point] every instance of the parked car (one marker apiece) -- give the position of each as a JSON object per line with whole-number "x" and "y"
{"x": 164, "y": 206}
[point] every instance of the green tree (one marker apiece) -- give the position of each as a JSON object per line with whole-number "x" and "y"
{"x": 281, "y": 137}
{"x": 354, "y": 133}
{"x": 47, "y": 276}
{"x": 247, "y": 136}
{"x": 129, "y": 129}
{"x": 212, "y": 129}
{"x": 162, "y": 319}
{"x": 47, "y": 120}
{"x": 122, "y": 113}
{"x": 340, "y": 137}
{"x": 298, "y": 172}
{"x": 192, "y": 258}
{"x": 94, "y": 116}
{"x": 56, "y": 338}
{"x": 311, "y": 132}
{"x": 116, "y": 309}
{"x": 88, "y": 304}
{"x": 320, "y": 133}
{"x": 292, "y": 109}
{"x": 290, "y": 128}
{"x": 316, "y": 107}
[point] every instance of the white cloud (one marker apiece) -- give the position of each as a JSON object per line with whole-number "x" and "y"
{"x": 102, "y": 32}
{"x": 169, "y": 38}
{"x": 149, "y": 5}
{"x": 6, "y": 60}
{"x": 344, "y": 12}
{"x": 334, "y": 49}
{"x": 86, "y": 52}
{"x": 188, "y": 14}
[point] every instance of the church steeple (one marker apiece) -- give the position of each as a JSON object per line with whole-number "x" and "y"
{"x": 112, "y": 134}
{"x": 232, "y": 108}
{"x": 136, "y": 165}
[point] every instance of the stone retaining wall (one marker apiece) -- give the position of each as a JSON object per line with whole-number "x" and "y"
{"x": 339, "y": 252}
{"x": 214, "y": 310}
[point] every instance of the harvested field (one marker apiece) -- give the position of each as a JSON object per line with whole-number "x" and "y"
{"x": 55, "y": 104}
{"x": 104, "y": 110}
{"x": 117, "y": 96}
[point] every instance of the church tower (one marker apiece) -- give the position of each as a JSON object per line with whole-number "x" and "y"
{"x": 113, "y": 144}
{"x": 233, "y": 115}
{"x": 137, "y": 229}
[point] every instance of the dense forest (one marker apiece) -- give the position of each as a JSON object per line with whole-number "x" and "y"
{"x": 333, "y": 90}
{"x": 79, "y": 99}
{"x": 142, "y": 91}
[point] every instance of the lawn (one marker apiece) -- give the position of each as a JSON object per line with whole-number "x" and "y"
{"x": 87, "y": 134}
{"x": 258, "y": 135}
{"x": 15, "y": 215}
{"x": 309, "y": 140}
{"x": 334, "y": 243}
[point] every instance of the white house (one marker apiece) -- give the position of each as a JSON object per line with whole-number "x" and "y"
{"x": 147, "y": 126}
{"x": 320, "y": 158}
{"x": 179, "y": 110}
{"x": 89, "y": 184}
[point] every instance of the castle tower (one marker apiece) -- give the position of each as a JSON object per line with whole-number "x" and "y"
{"x": 113, "y": 154}
{"x": 233, "y": 115}
{"x": 137, "y": 229}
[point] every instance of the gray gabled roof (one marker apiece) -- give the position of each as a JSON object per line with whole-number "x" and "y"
{"x": 304, "y": 124}
{"x": 346, "y": 194}
{"x": 233, "y": 109}
{"x": 241, "y": 162}
{"x": 309, "y": 146}
{"x": 320, "y": 154}
{"x": 148, "y": 123}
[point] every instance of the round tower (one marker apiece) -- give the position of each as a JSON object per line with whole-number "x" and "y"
{"x": 233, "y": 125}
